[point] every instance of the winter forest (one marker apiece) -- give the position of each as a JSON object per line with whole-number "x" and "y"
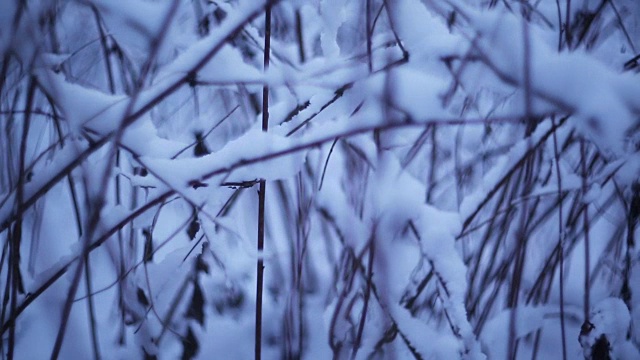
{"x": 318, "y": 179}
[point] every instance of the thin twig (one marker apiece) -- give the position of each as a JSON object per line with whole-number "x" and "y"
{"x": 261, "y": 193}
{"x": 585, "y": 219}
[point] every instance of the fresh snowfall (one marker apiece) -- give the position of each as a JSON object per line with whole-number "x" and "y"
{"x": 320, "y": 179}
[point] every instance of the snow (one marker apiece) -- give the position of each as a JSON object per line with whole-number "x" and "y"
{"x": 427, "y": 341}
{"x": 332, "y": 14}
{"x": 425, "y": 246}
{"x": 417, "y": 94}
{"x": 46, "y": 172}
{"x": 610, "y": 317}
{"x": 140, "y": 16}
{"x": 227, "y": 58}
{"x": 527, "y": 320}
{"x": 561, "y": 79}
{"x": 84, "y": 107}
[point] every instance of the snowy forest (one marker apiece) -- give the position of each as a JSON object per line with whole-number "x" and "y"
{"x": 320, "y": 179}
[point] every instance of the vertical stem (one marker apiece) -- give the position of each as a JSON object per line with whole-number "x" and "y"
{"x": 14, "y": 246}
{"x": 300, "y": 250}
{"x": 7, "y": 288}
{"x": 521, "y": 236}
{"x": 260, "y": 270}
{"x": 567, "y": 24}
{"x": 560, "y": 30}
{"x": 585, "y": 214}
{"x": 299, "y": 35}
{"x": 367, "y": 296}
{"x": 369, "y": 34}
{"x": 560, "y": 241}
{"x": 267, "y": 49}
{"x": 434, "y": 159}
{"x": 261, "y": 193}
{"x": 106, "y": 53}
{"x": 92, "y": 317}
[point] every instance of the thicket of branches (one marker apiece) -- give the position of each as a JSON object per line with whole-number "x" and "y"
{"x": 314, "y": 179}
